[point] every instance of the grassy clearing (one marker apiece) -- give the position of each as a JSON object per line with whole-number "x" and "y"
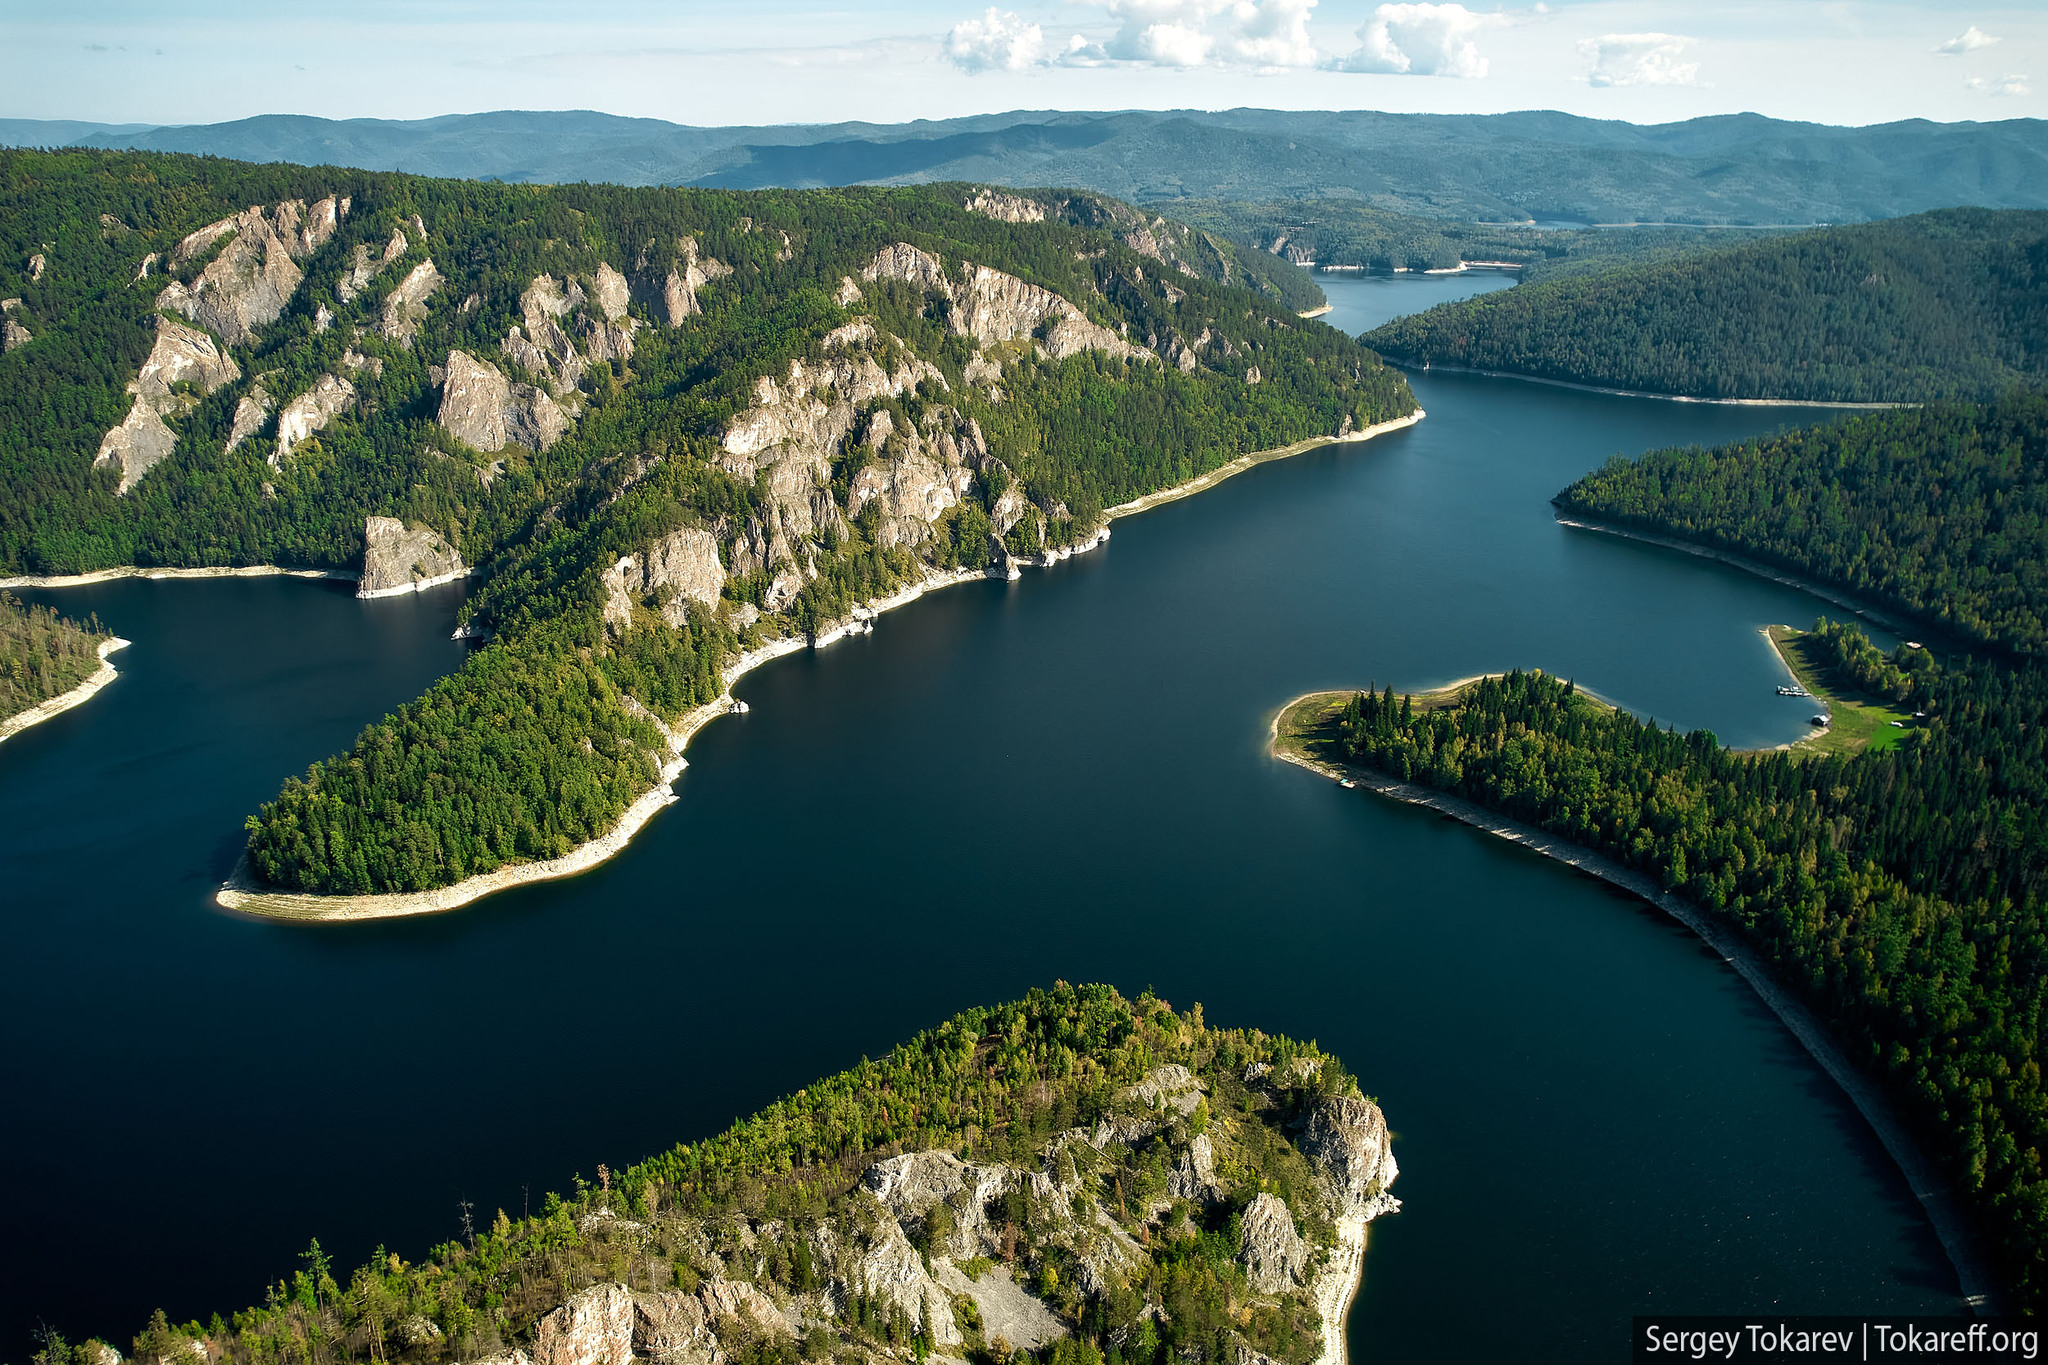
{"x": 1858, "y": 721}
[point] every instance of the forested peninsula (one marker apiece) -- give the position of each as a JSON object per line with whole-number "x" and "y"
{"x": 1902, "y": 891}
{"x": 44, "y": 658}
{"x": 1944, "y": 305}
{"x": 1075, "y": 1178}
{"x": 660, "y": 428}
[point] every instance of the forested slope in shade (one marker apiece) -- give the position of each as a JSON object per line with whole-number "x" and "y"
{"x": 1951, "y": 304}
{"x": 1940, "y": 513}
{"x": 1901, "y": 892}
{"x": 1072, "y": 1179}
{"x": 42, "y": 654}
{"x": 663, "y": 425}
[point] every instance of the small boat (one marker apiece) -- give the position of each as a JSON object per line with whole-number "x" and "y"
{"x": 1348, "y": 784}
{"x": 738, "y": 708}
{"x": 1820, "y": 720}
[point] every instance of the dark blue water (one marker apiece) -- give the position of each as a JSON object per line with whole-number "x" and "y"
{"x": 1006, "y": 784}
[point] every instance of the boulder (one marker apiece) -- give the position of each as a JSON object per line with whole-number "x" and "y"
{"x": 1273, "y": 1254}
{"x": 480, "y": 406}
{"x": 310, "y": 412}
{"x": 594, "y": 1327}
{"x": 398, "y": 558}
{"x": 140, "y": 442}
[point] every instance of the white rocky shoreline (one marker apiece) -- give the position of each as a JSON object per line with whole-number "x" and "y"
{"x": 83, "y": 580}
{"x": 1648, "y": 393}
{"x": 58, "y": 705}
{"x": 1951, "y": 1225}
{"x": 244, "y": 894}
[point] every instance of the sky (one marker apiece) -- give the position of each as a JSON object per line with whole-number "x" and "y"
{"x": 784, "y": 61}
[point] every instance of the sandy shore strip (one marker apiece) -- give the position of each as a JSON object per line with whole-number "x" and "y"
{"x": 58, "y": 705}
{"x": 1259, "y": 457}
{"x": 1645, "y": 393}
{"x": 1951, "y": 1225}
{"x": 1337, "y": 1288}
{"x": 1785, "y": 577}
{"x": 81, "y": 580}
{"x": 1315, "y": 312}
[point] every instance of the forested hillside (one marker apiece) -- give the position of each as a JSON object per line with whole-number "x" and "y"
{"x": 662, "y": 425}
{"x": 1073, "y": 1179}
{"x": 1903, "y": 891}
{"x": 1940, "y": 513}
{"x": 1347, "y": 234}
{"x": 1951, "y": 304}
{"x": 42, "y": 654}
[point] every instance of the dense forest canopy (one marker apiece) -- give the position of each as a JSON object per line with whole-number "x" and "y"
{"x": 1940, "y": 513}
{"x": 43, "y": 654}
{"x": 663, "y": 425}
{"x": 1952, "y": 304}
{"x": 1080, "y": 1114}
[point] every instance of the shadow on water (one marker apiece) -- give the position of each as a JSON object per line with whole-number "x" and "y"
{"x": 1006, "y": 784}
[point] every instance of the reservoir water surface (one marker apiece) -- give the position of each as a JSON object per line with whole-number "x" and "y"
{"x": 1007, "y": 783}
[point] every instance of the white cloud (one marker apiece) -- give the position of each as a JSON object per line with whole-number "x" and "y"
{"x": 1639, "y": 59}
{"x": 1419, "y": 40}
{"x": 1969, "y": 40}
{"x": 2017, "y": 83}
{"x": 1181, "y": 34}
{"x": 998, "y": 41}
{"x": 1272, "y": 33}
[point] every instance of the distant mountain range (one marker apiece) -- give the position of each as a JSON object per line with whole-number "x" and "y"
{"x": 1546, "y": 166}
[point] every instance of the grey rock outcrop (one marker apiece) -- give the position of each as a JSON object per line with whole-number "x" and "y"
{"x": 481, "y": 406}
{"x": 405, "y": 307}
{"x": 366, "y": 267}
{"x": 13, "y": 335}
{"x": 680, "y": 568}
{"x": 181, "y": 356}
{"x": 1009, "y": 208}
{"x": 610, "y": 293}
{"x": 246, "y": 286}
{"x": 1346, "y": 1140}
{"x": 1273, "y": 1254}
{"x": 251, "y": 413}
{"x": 891, "y": 1270}
{"x": 140, "y": 442}
{"x": 993, "y": 307}
{"x": 310, "y": 413}
{"x": 1193, "y": 1176}
{"x": 36, "y": 265}
{"x": 592, "y": 1328}
{"x": 679, "y": 291}
{"x": 672, "y": 1328}
{"x": 399, "y": 559}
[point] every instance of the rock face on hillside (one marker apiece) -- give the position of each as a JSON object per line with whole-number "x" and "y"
{"x": 679, "y": 293}
{"x": 310, "y": 412}
{"x": 141, "y": 441}
{"x": 405, "y": 307}
{"x": 13, "y": 335}
{"x": 252, "y": 410}
{"x": 680, "y": 568}
{"x": 181, "y": 356}
{"x": 1346, "y": 1139}
{"x": 1009, "y": 208}
{"x": 245, "y": 287}
{"x": 366, "y": 266}
{"x": 993, "y": 307}
{"x": 481, "y": 406}
{"x": 398, "y": 558}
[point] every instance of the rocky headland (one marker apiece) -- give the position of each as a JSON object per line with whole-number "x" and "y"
{"x": 1073, "y": 1179}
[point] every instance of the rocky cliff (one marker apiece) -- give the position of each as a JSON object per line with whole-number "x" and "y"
{"x": 481, "y": 406}
{"x": 398, "y": 558}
